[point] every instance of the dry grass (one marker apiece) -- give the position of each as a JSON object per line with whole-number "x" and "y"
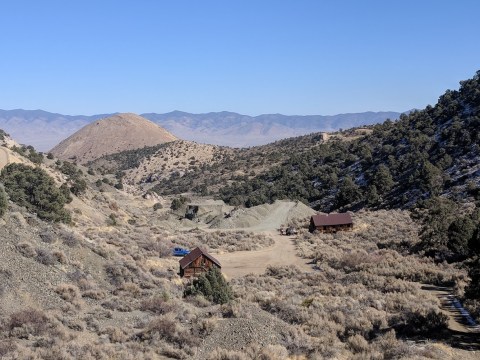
{"x": 113, "y": 303}
{"x": 224, "y": 240}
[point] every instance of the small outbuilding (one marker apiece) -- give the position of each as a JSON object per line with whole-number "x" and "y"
{"x": 197, "y": 262}
{"x": 331, "y": 223}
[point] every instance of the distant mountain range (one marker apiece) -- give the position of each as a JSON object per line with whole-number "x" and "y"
{"x": 44, "y": 130}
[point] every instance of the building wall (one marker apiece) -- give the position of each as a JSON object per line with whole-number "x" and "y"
{"x": 198, "y": 266}
{"x": 330, "y": 228}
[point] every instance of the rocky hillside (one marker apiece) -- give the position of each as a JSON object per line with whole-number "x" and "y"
{"x": 147, "y": 166}
{"x": 111, "y": 135}
{"x": 429, "y": 152}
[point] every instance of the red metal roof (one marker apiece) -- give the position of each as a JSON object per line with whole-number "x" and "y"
{"x": 332, "y": 219}
{"x": 194, "y": 254}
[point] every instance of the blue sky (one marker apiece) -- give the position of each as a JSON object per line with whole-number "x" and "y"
{"x": 252, "y": 57}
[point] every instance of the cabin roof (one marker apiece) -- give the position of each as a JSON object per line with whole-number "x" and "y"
{"x": 195, "y": 254}
{"x": 332, "y": 219}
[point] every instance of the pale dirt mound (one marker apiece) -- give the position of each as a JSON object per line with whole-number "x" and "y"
{"x": 258, "y": 327}
{"x": 111, "y": 135}
{"x": 265, "y": 217}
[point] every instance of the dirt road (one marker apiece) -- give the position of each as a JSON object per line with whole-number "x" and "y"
{"x": 456, "y": 320}
{"x": 4, "y": 158}
{"x": 283, "y": 252}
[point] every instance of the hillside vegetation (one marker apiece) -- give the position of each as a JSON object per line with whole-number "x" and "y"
{"x": 86, "y": 269}
{"x": 431, "y": 152}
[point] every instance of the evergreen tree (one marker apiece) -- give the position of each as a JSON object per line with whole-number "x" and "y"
{"x": 349, "y": 192}
{"x": 211, "y": 285}
{"x": 430, "y": 178}
{"x": 383, "y": 179}
{"x": 474, "y": 242}
{"x": 372, "y": 196}
{"x": 34, "y": 189}
{"x": 460, "y": 232}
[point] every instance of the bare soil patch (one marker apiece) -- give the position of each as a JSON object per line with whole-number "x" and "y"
{"x": 265, "y": 219}
{"x": 283, "y": 252}
{"x": 3, "y": 158}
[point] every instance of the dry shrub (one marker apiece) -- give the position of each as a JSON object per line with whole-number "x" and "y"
{"x": 157, "y": 304}
{"x": 113, "y": 206}
{"x": 198, "y": 301}
{"x": 118, "y": 273}
{"x": 473, "y": 306}
{"x": 6, "y": 346}
{"x": 77, "y": 275}
{"x": 60, "y": 257}
{"x": 296, "y": 341}
{"x": 224, "y": 240}
{"x": 428, "y": 323}
{"x": 48, "y": 237}
{"x": 280, "y": 272}
{"x": 46, "y": 257}
{"x": 28, "y": 321}
{"x": 167, "y": 328}
{"x": 131, "y": 289}
{"x": 70, "y": 239}
{"x": 95, "y": 294}
{"x": 358, "y": 343}
{"x": 116, "y": 335}
{"x": 390, "y": 347}
{"x": 206, "y": 326}
{"x": 84, "y": 284}
{"x": 68, "y": 292}
{"x": 268, "y": 352}
{"x": 157, "y": 247}
{"x": 26, "y": 249}
{"x": 222, "y": 354}
{"x": 118, "y": 304}
{"x": 5, "y": 277}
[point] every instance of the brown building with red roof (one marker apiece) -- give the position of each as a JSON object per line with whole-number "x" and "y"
{"x": 331, "y": 223}
{"x": 197, "y": 262}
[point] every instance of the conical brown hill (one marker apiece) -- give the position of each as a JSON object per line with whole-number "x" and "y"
{"x": 111, "y": 135}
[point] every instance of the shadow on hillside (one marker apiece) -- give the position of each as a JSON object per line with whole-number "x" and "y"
{"x": 466, "y": 340}
{"x": 461, "y": 340}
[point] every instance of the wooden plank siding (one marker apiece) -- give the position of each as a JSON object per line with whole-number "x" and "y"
{"x": 198, "y": 266}
{"x": 197, "y": 262}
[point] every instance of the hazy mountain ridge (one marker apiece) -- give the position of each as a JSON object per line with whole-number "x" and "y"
{"x": 44, "y": 130}
{"x": 224, "y": 128}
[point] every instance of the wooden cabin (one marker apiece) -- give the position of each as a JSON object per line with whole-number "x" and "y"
{"x": 331, "y": 223}
{"x": 197, "y": 262}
